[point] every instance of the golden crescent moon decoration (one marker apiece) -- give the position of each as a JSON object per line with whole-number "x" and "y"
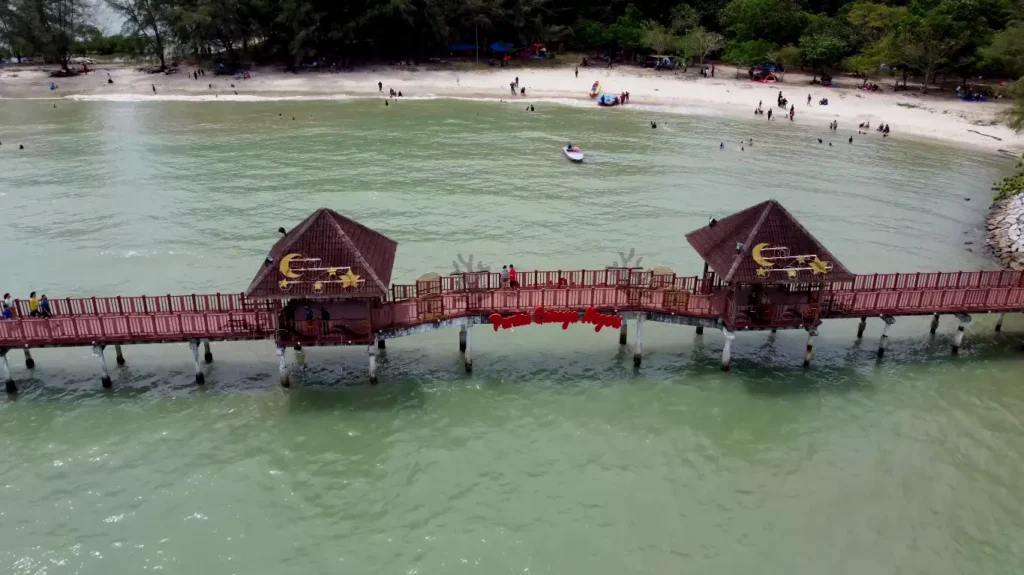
{"x": 285, "y": 267}
{"x": 758, "y": 258}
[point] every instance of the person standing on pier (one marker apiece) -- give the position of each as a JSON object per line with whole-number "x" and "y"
{"x": 325, "y": 319}
{"x": 44, "y": 307}
{"x": 7, "y": 300}
{"x": 512, "y": 281}
{"x": 33, "y": 305}
{"x": 503, "y": 277}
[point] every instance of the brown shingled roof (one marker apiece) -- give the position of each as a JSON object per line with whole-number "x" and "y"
{"x": 314, "y": 260}
{"x": 767, "y": 230}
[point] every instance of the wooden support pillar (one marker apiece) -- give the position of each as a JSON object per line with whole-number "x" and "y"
{"x": 623, "y": 329}
{"x": 372, "y": 352}
{"x": 469, "y": 349}
{"x": 118, "y": 355}
{"x": 29, "y": 362}
{"x": 809, "y": 353}
{"x": 194, "y": 346}
{"x": 860, "y": 327}
{"x": 999, "y": 322}
{"x": 207, "y": 354}
{"x": 382, "y": 344}
{"x": 889, "y": 320}
{"x": 282, "y": 364}
{"x": 935, "y": 324}
{"x": 462, "y": 338}
{"x": 300, "y": 356}
{"x": 700, "y": 330}
{"x": 958, "y": 339}
{"x": 6, "y": 369}
{"x": 97, "y": 350}
{"x": 727, "y": 349}
{"x": 638, "y": 345}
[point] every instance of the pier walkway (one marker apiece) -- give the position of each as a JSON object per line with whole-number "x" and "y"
{"x": 763, "y": 271}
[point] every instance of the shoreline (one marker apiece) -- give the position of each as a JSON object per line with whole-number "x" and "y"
{"x": 910, "y": 114}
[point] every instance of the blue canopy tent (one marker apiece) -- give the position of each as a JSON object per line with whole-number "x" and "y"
{"x": 462, "y": 47}
{"x": 501, "y": 47}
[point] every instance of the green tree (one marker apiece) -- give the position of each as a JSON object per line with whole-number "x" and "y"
{"x": 925, "y": 43}
{"x": 700, "y": 44}
{"x": 786, "y": 58}
{"x": 749, "y": 53}
{"x": 824, "y": 42}
{"x": 146, "y": 19}
{"x": 775, "y": 21}
{"x": 660, "y": 39}
{"x": 1006, "y": 52}
{"x": 683, "y": 18}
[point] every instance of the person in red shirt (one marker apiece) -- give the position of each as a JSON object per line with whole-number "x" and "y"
{"x": 512, "y": 276}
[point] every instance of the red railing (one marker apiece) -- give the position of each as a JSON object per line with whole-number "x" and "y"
{"x": 114, "y": 328}
{"x": 149, "y": 304}
{"x": 563, "y": 279}
{"x": 80, "y": 321}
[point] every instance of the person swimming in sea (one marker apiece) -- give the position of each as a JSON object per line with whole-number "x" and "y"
{"x": 721, "y": 146}
{"x": 653, "y": 125}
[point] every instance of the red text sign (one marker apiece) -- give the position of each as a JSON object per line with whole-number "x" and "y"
{"x": 564, "y": 317}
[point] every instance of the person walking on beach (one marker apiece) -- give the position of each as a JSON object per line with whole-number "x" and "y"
{"x": 769, "y": 114}
{"x": 577, "y": 71}
{"x": 712, "y": 70}
{"x": 808, "y": 99}
{"x": 512, "y": 87}
{"x": 517, "y": 81}
{"x": 513, "y": 282}
{"x": 792, "y": 112}
{"x": 380, "y": 86}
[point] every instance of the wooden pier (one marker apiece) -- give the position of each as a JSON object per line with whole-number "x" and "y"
{"x": 325, "y": 283}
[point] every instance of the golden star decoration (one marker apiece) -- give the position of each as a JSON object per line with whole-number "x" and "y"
{"x": 283, "y": 284}
{"x": 349, "y": 280}
{"x": 318, "y": 287}
{"x": 762, "y": 273}
{"x": 792, "y": 273}
{"x": 819, "y": 267}
{"x": 332, "y": 272}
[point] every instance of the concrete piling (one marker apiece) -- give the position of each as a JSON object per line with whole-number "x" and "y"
{"x": 6, "y": 369}
{"x": 638, "y": 345}
{"x": 811, "y": 333}
{"x": 300, "y": 356}
{"x": 935, "y": 324}
{"x": 194, "y": 346}
{"x": 118, "y": 355}
{"x": 860, "y": 327}
{"x": 97, "y": 350}
{"x": 29, "y": 362}
{"x": 283, "y": 366}
{"x": 207, "y": 354}
{"x": 372, "y": 352}
{"x": 999, "y": 322}
{"x": 700, "y": 330}
{"x": 462, "y": 338}
{"x": 382, "y": 344}
{"x": 622, "y": 333}
{"x": 889, "y": 320}
{"x": 469, "y": 349}
{"x": 958, "y": 339}
{"x": 727, "y": 349}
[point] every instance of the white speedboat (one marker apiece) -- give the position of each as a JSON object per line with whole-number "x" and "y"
{"x": 574, "y": 154}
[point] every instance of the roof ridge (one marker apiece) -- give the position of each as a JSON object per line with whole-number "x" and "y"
{"x": 358, "y": 254}
{"x": 285, "y": 241}
{"x": 750, "y": 237}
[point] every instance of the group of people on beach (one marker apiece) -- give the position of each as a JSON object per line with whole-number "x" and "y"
{"x": 37, "y": 307}
{"x": 514, "y": 85}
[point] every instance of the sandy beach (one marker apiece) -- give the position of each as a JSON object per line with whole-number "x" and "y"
{"x": 907, "y": 113}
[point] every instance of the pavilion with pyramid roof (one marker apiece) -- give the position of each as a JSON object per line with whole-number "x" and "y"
{"x": 772, "y": 271}
{"x": 330, "y": 272}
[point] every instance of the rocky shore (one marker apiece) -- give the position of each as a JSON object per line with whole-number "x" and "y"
{"x": 1006, "y": 232}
